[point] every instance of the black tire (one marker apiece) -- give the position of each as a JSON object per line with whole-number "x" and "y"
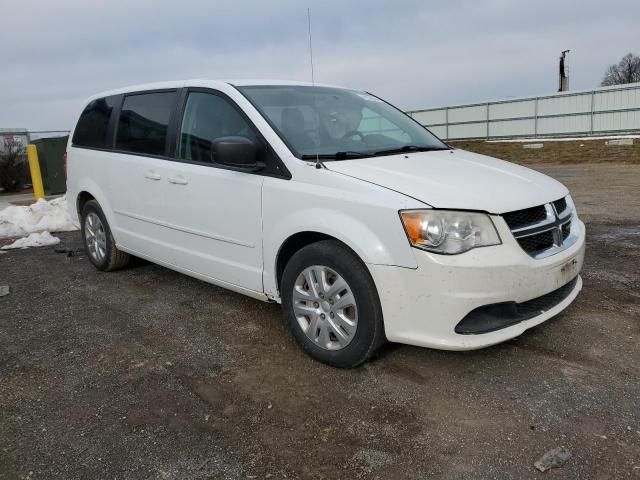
{"x": 114, "y": 259}
{"x": 369, "y": 335}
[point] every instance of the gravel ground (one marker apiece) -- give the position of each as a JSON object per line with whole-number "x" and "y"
{"x": 146, "y": 373}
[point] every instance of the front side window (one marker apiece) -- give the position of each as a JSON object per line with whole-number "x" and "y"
{"x": 91, "y": 130}
{"x": 208, "y": 118}
{"x": 144, "y": 123}
{"x": 336, "y": 123}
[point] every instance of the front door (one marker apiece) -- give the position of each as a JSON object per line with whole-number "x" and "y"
{"x": 213, "y": 213}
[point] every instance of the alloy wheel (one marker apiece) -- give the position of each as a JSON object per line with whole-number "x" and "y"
{"x": 325, "y": 307}
{"x": 95, "y": 237}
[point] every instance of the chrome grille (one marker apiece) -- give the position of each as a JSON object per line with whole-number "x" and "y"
{"x": 560, "y": 205}
{"x": 537, "y": 243}
{"x": 542, "y": 230}
{"x": 524, "y": 217}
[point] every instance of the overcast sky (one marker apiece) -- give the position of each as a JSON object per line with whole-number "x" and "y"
{"x": 415, "y": 54}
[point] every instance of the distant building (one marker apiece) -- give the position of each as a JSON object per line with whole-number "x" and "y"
{"x": 16, "y": 137}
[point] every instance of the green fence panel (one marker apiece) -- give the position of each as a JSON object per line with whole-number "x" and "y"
{"x": 51, "y": 157}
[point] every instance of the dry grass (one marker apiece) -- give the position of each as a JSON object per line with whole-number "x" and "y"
{"x": 567, "y": 152}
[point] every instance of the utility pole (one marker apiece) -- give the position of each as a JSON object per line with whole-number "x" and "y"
{"x": 564, "y": 72}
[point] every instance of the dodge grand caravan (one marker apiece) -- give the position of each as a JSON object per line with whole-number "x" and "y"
{"x": 360, "y": 222}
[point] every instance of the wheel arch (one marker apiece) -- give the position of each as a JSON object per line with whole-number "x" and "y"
{"x": 81, "y": 200}
{"x": 298, "y": 241}
{"x": 89, "y": 190}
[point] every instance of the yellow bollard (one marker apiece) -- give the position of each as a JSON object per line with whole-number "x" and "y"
{"x": 36, "y": 176}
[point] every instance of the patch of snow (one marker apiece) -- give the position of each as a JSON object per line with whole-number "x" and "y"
{"x": 562, "y": 139}
{"x": 42, "y": 216}
{"x": 42, "y": 239}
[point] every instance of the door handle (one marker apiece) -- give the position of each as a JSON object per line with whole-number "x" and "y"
{"x": 151, "y": 175}
{"x": 178, "y": 180}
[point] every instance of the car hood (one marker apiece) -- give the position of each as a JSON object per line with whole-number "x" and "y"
{"x": 456, "y": 179}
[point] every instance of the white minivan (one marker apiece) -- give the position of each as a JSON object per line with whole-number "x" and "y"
{"x": 360, "y": 222}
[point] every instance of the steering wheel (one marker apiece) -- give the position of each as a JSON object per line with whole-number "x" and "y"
{"x": 352, "y": 134}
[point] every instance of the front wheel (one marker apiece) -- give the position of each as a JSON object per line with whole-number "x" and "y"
{"x": 332, "y": 305}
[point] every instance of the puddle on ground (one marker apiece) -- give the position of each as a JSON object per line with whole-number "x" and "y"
{"x": 620, "y": 233}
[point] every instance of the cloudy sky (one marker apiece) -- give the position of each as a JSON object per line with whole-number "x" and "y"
{"x": 416, "y": 54}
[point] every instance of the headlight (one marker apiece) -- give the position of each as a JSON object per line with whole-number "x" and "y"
{"x": 447, "y": 231}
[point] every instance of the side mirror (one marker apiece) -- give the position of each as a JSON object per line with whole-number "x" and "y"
{"x": 238, "y": 152}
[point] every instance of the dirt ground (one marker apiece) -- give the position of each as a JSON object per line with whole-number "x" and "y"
{"x": 147, "y": 373}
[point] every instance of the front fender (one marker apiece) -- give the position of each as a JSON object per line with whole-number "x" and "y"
{"x": 369, "y": 225}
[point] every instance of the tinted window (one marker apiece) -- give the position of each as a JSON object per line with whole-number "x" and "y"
{"x": 91, "y": 130}
{"x": 144, "y": 122}
{"x": 208, "y": 118}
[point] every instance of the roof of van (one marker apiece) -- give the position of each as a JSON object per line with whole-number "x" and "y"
{"x": 202, "y": 82}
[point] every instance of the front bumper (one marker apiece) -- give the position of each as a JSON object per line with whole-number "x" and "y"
{"x": 422, "y": 306}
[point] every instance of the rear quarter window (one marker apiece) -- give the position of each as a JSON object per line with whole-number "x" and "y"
{"x": 144, "y": 122}
{"x": 91, "y": 130}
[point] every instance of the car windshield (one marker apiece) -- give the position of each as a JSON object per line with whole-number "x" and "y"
{"x": 338, "y": 124}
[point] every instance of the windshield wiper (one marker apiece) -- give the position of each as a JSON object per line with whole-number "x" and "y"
{"x": 408, "y": 148}
{"x": 349, "y": 154}
{"x": 345, "y": 155}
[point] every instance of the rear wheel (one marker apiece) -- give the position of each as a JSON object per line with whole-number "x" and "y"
{"x": 98, "y": 240}
{"x": 331, "y": 304}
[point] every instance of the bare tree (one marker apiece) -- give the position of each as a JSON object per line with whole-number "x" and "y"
{"x": 626, "y": 71}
